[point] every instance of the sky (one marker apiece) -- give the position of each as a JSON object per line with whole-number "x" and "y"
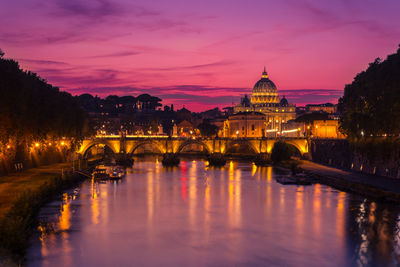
{"x": 200, "y": 54}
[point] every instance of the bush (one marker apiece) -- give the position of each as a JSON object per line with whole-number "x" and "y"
{"x": 281, "y": 151}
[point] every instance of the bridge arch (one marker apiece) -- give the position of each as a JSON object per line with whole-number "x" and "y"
{"x": 239, "y": 144}
{"x": 193, "y": 141}
{"x": 153, "y": 144}
{"x": 300, "y": 144}
{"x": 85, "y": 148}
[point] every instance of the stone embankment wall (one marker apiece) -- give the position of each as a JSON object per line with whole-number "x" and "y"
{"x": 340, "y": 154}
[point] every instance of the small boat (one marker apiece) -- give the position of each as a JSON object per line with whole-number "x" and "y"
{"x": 117, "y": 173}
{"x": 100, "y": 173}
{"x": 295, "y": 180}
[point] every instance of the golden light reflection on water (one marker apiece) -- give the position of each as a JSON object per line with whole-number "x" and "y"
{"x": 247, "y": 210}
{"x": 317, "y": 216}
{"x": 192, "y": 193}
{"x": 340, "y": 214}
{"x": 95, "y": 202}
{"x": 234, "y": 193}
{"x": 150, "y": 196}
{"x": 253, "y": 169}
{"x": 269, "y": 190}
{"x": 65, "y": 217}
{"x": 299, "y": 212}
{"x": 282, "y": 197}
{"x": 207, "y": 210}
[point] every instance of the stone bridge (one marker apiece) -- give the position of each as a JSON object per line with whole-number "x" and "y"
{"x": 163, "y": 144}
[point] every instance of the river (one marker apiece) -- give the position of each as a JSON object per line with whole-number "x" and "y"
{"x": 193, "y": 215}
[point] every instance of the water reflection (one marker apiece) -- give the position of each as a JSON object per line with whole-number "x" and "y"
{"x": 198, "y": 215}
{"x": 374, "y": 232}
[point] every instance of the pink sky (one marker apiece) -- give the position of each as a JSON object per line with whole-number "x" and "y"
{"x": 199, "y": 53}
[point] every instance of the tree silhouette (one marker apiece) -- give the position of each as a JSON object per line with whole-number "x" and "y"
{"x": 33, "y": 110}
{"x": 371, "y": 103}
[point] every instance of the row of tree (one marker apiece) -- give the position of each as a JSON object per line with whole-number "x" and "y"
{"x": 32, "y": 110}
{"x": 370, "y": 106}
{"x": 113, "y": 104}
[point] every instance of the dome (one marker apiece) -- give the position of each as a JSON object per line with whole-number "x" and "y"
{"x": 264, "y": 91}
{"x": 284, "y": 102}
{"x": 264, "y": 85}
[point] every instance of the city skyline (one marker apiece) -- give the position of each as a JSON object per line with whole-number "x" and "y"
{"x": 200, "y": 55}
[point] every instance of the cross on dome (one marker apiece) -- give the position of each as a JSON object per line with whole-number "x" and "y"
{"x": 264, "y": 74}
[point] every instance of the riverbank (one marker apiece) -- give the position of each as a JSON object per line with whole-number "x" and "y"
{"x": 21, "y": 196}
{"x": 376, "y": 187}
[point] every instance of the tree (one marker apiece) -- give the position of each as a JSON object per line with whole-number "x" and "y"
{"x": 371, "y": 103}
{"x": 311, "y": 117}
{"x": 281, "y": 151}
{"x": 33, "y": 110}
{"x": 207, "y": 129}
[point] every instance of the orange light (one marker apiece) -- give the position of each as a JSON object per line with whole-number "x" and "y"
{"x": 8, "y": 146}
{"x": 36, "y": 144}
{"x": 62, "y": 143}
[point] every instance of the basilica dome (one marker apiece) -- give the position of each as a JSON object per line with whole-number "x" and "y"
{"x": 264, "y": 91}
{"x": 284, "y": 102}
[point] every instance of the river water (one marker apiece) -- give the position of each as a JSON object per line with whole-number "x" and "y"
{"x": 193, "y": 215}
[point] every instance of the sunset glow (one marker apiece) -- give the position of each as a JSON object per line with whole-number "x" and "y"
{"x": 199, "y": 54}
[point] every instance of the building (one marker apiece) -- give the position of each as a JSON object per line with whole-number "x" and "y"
{"x": 265, "y": 100}
{"x": 327, "y": 108}
{"x": 186, "y": 128}
{"x": 326, "y": 129}
{"x": 245, "y": 124}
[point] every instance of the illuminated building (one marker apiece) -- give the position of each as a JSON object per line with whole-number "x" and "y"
{"x": 265, "y": 99}
{"x": 327, "y": 108}
{"x": 326, "y": 129}
{"x": 186, "y": 128}
{"x": 245, "y": 124}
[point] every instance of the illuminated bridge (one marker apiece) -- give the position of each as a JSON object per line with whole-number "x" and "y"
{"x": 164, "y": 144}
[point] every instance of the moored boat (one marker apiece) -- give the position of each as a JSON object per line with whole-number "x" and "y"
{"x": 100, "y": 173}
{"x": 117, "y": 173}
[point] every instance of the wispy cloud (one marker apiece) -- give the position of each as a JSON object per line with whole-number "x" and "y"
{"x": 116, "y": 54}
{"x": 92, "y": 9}
{"x": 194, "y": 67}
{"x": 43, "y": 62}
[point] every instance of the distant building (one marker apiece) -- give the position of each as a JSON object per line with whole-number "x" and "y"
{"x": 265, "y": 100}
{"x": 228, "y": 111}
{"x": 327, "y": 108}
{"x": 245, "y": 124}
{"x": 185, "y": 128}
{"x": 291, "y": 129}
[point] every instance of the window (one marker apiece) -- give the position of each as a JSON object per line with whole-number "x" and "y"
{"x": 252, "y": 127}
